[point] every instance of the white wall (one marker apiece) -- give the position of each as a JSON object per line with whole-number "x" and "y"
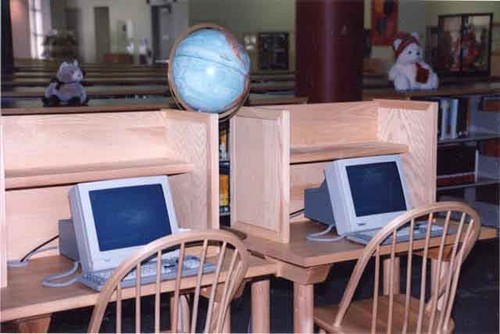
{"x": 136, "y": 11}
{"x": 19, "y": 15}
{"x": 248, "y": 16}
{"x": 245, "y": 15}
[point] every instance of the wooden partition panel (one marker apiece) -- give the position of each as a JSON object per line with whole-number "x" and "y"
{"x": 415, "y": 125}
{"x": 47, "y": 154}
{"x": 32, "y": 216}
{"x": 194, "y": 137}
{"x": 260, "y": 173}
{"x": 326, "y": 124}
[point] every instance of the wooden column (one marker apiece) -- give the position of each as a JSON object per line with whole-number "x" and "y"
{"x": 329, "y": 50}
{"x": 7, "y": 51}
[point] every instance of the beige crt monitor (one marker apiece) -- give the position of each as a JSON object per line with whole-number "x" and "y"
{"x": 114, "y": 218}
{"x": 366, "y": 193}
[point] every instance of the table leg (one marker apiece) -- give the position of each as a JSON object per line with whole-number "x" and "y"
{"x": 38, "y": 324}
{"x": 261, "y": 310}
{"x": 387, "y": 263}
{"x": 184, "y": 313}
{"x": 303, "y": 308}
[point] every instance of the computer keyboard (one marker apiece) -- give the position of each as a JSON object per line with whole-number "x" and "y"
{"x": 402, "y": 234}
{"x": 97, "y": 279}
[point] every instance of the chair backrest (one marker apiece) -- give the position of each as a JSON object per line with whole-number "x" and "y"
{"x": 220, "y": 248}
{"x": 461, "y": 227}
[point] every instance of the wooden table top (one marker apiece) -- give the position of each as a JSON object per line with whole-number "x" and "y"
{"x": 130, "y": 79}
{"x": 35, "y": 106}
{"x": 25, "y": 296}
{"x": 302, "y": 252}
{"x": 143, "y": 90}
{"x": 478, "y": 88}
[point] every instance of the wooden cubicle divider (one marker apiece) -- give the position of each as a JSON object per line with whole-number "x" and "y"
{"x": 259, "y": 173}
{"x": 44, "y": 155}
{"x": 279, "y": 151}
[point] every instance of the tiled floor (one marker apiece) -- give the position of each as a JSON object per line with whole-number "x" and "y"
{"x": 476, "y": 305}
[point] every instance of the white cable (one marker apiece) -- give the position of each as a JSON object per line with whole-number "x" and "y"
{"x": 47, "y": 281}
{"x": 314, "y": 236}
{"x": 24, "y": 263}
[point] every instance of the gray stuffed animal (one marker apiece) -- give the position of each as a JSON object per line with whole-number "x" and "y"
{"x": 66, "y": 88}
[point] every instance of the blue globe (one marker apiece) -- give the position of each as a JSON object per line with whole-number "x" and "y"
{"x": 209, "y": 70}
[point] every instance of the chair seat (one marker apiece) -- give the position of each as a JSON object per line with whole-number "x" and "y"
{"x": 358, "y": 318}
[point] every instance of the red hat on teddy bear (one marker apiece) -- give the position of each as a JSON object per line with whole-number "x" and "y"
{"x": 406, "y": 39}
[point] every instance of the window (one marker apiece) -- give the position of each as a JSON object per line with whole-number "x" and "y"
{"x": 36, "y": 28}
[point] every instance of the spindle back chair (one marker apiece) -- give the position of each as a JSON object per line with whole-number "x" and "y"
{"x": 401, "y": 312}
{"x": 222, "y": 249}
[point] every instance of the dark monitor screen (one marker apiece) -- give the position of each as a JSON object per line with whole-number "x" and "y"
{"x": 129, "y": 216}
{"x": 376, "y": 188}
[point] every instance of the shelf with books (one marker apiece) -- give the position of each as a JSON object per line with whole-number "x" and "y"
{"x": 471, "y": 137}
{"x": 481, "y": 181}
{"x": 469, "y": 150}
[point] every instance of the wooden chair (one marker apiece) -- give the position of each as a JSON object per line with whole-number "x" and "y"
{"x": 401, "y": 312}
{"x": 220, "y": 248}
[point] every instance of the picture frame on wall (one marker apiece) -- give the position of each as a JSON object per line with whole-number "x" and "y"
{"x": 384, "y": 21}
{"x": 464, "y": 44}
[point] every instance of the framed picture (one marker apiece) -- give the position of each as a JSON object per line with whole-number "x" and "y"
{"x": 384, "y": 25}
{"x": 464, "y": 44}
{"x": 273, "y": 50}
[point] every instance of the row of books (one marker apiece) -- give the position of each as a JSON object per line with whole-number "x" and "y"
{"x": 223, "y": 141}
{"x": 223, "y": 193}
{"x": 456, "y": 162}
{"x": 224, "y": 168}
{"x": 453, "y": 120}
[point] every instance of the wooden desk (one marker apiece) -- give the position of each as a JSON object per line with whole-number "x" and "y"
{"x": 479, "y": 88}
{"x": 131, "y": 91}
{"x": 290, "y": 146}
{"x": 306, "y": 263}
{"x": 27, "y": 301}
{"x": 93, "y": 92}
{"x": 12, "y": 107}
{"x": 124, "y": 79}
{"x": 34, "y": 107}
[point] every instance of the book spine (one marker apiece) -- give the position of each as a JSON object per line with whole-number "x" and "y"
{"x": 444, "y": 107}
{"x": 453, "y": 117}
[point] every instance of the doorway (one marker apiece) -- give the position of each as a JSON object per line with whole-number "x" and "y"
{"x": 102, "y": 32}
{"x": 169, "y": 20}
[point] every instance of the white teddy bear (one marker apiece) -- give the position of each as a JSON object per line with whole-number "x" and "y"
{"x": 410, "y": 71}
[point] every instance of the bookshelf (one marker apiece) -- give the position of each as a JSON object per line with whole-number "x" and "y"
{"x": 481, "y": 98}
{"x": 44, "y": 155}
{"x": 482, "y": 130}
{"x": 277, "y": 152}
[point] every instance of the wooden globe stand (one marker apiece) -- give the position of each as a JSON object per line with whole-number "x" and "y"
{"x": 235, "y": 105}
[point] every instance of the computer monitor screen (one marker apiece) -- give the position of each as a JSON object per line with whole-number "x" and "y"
{"x": 114, "y": 218}
{"x": 366, "y": 193}
{"x": 384, "y": 177}
{"x": 129, "y": 216}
